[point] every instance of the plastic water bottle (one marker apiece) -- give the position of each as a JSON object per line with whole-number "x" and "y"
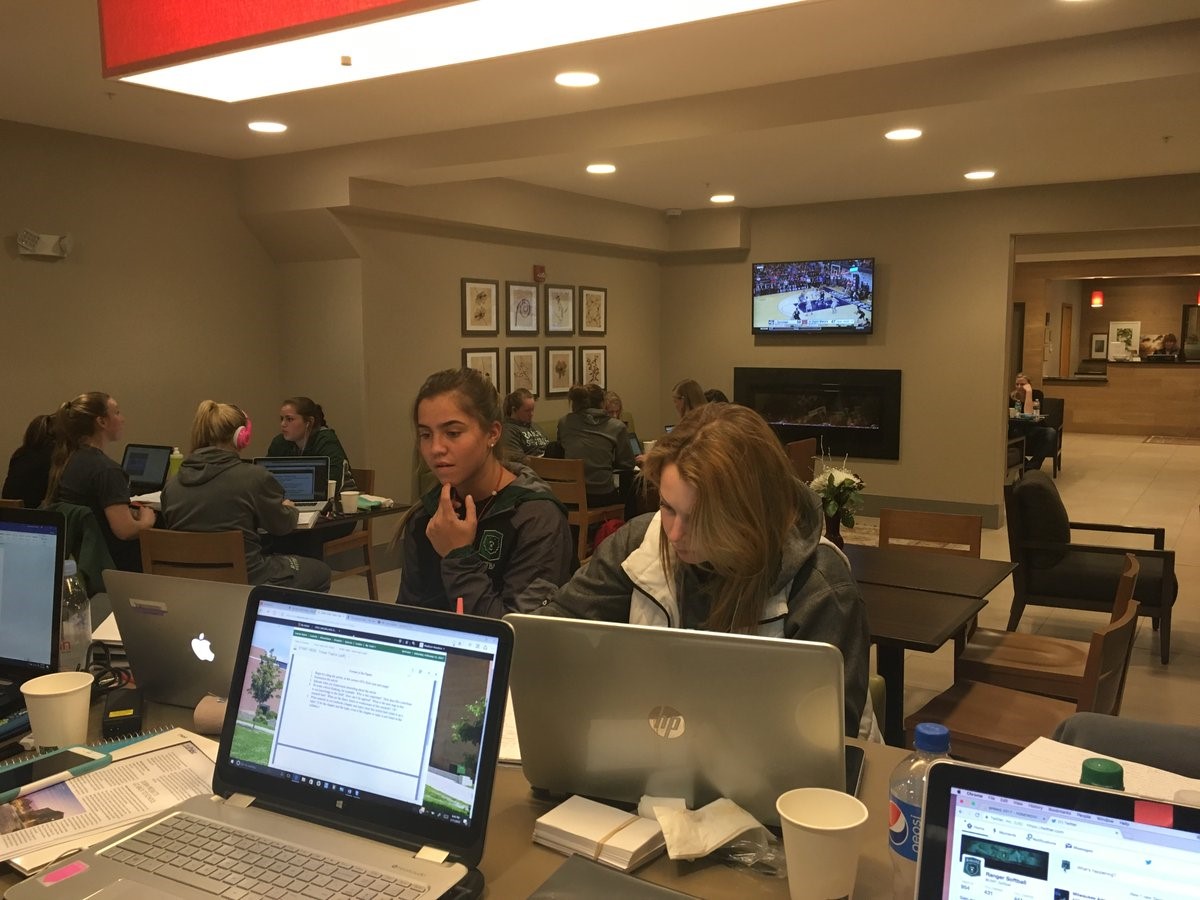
{"x": 76, "y": 632}
{"x": 1037, "y": 407}
{"x": 907, "y": 791}
{"x": 175, "y": 462}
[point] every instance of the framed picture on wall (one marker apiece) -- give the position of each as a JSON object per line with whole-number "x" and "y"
{"x": 560, "y": 370}
{"x": 560, "y": 309}
{"x": 523, "y": 369}
{"x": 1123, "y": 340}
{"x": 593, "y": 366}
{"x": 1099, "y": 346}
{"x": 486, "y": 360}
{"x": 522, "y": 307}
{"x": 593, "y": 311}
{"x": 480, "y": 307}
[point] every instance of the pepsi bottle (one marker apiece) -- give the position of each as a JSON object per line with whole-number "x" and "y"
{"x": 907, "y": 792}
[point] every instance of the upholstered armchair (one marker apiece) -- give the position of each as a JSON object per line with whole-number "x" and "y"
{"x": 1054, "y": 571}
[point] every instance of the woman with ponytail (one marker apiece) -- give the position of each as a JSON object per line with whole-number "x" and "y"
{"x": 214, "y": 491}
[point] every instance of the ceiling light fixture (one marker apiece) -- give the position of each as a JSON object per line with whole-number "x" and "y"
{"x": 980, "y": 175}
{"x": 267, "y": 127}
{"x": 903, "y": 134}
{"x": 230, "y": 50}
{"x": 577, "y": 79}
{"x": 1097, "y": 299}
{"x": 601, "y": 168}
{"x": 722, "y": 198}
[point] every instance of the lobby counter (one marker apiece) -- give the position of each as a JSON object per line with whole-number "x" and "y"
{"x": 1135, "y": 398}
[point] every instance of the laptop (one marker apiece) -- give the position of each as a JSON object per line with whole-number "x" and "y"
{"x": 990, "y": 833}
{"x": 633, "y": 710}
{"x": 305, "y": 479}
{"x": 363, "y": 742}
{"x": 146, "y": 465}
{"x": 180, "y": 635}
{"x": 635, "y": 445}
{"x": 31, "y": 573}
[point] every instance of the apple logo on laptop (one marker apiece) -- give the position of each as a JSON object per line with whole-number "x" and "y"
{"x": 202, "y": 647}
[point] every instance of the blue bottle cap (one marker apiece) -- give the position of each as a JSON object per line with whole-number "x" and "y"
{"x": 932, "y": 738}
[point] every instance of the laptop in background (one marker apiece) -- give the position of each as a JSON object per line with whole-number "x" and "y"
{"x": 305, "y": 479}
{"x": 31, "y": 572}
{"x": 987, "y": 833}
{"x": 635, "y": 710}
{"x": 180, "y": 634}
{"x": 635, "y": 444}
{"x": 146, "y": 465}
{"x": 346, "y": 714}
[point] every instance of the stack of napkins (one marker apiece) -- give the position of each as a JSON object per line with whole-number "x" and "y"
{"x": 612, "y": 836}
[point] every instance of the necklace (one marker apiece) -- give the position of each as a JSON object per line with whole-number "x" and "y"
{"x": 481, "y": 508}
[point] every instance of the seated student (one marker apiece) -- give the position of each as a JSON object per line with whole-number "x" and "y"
{"x": 1040, "y": 440}
{"x": 602, "y": 442}
{"x": 81, "y": 473}
{"x": 616, "y": 409}
{"x": 687, "y": 395}
{"x": 303, "y": 432}
{"x": 29, "y": 467}
{"x": 214, "y": 491}
{"x": 521, "y": 437}
{"x": 490, "y": 530}
{"x": 736, "y": 546}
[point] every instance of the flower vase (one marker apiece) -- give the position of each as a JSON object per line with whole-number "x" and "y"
{"x": 833, "y": 528}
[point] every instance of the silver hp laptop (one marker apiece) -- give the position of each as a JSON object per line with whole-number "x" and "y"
{"x": 147, "y": 466}
{"x": 180, "y": 634}
{"x": 989, "y": 833}
{"x": 616, "y": 711}
{"x": 305, "y": 479}
{"x": 359, "y": 758}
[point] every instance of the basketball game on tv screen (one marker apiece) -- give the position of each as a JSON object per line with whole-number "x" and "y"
{"x": 814, "y": 296}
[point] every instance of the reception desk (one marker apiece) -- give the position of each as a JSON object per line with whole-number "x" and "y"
{"x": 1134, "y": 398}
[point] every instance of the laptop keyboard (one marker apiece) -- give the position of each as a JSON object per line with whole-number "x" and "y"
{"x": 242, "y": 865}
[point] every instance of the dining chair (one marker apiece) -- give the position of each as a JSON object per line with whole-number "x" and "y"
{"x": 11, "y": 504}
{"x": 1054, "y": 409}
{"x": 1014, "y": 461}
{"x": 990, "y": 724}
{"x": 907, "y": 529}
{"x": 566, "y": 479}
{"x": 1034, "y": 662}
{"x": 358, "y": 541}
{"x": 803, "y": 456}
{"x": 205, "y": 555}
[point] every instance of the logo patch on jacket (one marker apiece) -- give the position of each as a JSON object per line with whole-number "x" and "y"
{"x": 490, "y": 545}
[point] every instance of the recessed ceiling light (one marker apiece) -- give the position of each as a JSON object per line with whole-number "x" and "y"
{"x": 601, "y": 168}
{"x": 903, "y": 134}
{"x": 268, "y": 127}
{"x": 980, "y": 175}
{"x": 722, "y": 198}
{"x": 577, "y": 79}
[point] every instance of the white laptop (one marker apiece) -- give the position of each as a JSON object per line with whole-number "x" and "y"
{"x": 359, "y": 757}
{"x": 991, "y": 834}
{"x": 615, "y": 711}
{"x": 305, "y": 479}
{"x": 180, "y": 634}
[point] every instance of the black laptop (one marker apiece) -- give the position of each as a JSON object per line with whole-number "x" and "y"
{"x": 147, "y": 466}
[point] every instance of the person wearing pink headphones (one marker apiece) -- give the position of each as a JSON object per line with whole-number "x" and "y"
{"x": 214, "y": 491}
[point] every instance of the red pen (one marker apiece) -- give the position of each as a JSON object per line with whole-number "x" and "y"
{"x": 458, "y": 606}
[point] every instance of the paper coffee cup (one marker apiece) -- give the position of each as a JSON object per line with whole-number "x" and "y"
{"x": 349, "y": 502}
{"x": 821, "y": 833}
{"x": 58, "y": 706}
{"x": 331, "y": 490}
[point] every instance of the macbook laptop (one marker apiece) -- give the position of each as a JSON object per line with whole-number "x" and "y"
{"x": 991, "y": 834}
{"x": 180, "y": 634}
{"x": 31, "y": 573}
{"x": 633, "y": 710}
{"x": 362, "y": 745}
{"x": 146, "y": 465}
{"x": 305, "y": 479}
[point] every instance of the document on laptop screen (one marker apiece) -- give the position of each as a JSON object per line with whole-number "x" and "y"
{"x": 27, "y": 592}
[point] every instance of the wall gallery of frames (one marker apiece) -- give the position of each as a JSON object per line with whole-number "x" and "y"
{"x": 532, "y": 310}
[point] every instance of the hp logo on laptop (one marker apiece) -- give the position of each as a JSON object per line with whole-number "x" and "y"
{"x": 667, "y": 722}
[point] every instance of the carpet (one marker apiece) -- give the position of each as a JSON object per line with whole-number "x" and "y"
{"x": 1181, "y": 441}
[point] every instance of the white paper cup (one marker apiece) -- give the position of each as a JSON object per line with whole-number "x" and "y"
{"x": 58, "y": 708}
{"x": 331, "y": 490}
{"x": 349, "y": 502}
{"x": 821, "y": 830}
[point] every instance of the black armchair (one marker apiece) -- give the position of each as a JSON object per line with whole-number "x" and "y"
{"x": 1053, "y": 571}
{"x": 1054, "y": 408}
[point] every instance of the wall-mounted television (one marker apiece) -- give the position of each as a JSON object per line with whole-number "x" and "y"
{"x": 813, "y": 296}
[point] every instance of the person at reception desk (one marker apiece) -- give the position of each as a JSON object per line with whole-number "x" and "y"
{"x": 490, "y": 529}
{"x": 1040, "y": 440}
{"x": 736, "y": 546}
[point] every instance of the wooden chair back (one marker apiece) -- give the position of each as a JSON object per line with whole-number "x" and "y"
{"x": 359, "y": 540}
{"x": 12, "y": 504}
{"x": 566, "y": 479}
{"x": 803, "y": 456}
{"x": 938, "y": 532}
{"x": 1108, "y": 664}
{"x": 208, "y": 556}
{"x": 1125, "y": 586}
{"x": 365, "y": 479}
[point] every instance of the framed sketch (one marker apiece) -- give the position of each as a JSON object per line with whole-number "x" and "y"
{"x": 523, "y": 369}
{"x": 593, "y": 310}
{"x": 1099, "y": 346}
{"x": 1189, "y": 333}
{"x": 1123, "y": 340}
{"x": 560, "y": 309}
{"x": 560, "y": 370}
{"x": 486, "y": 360}
{"x": 593, "y": 366}
{"x": 480, "y": 307}
{"x": 522, "y": 307}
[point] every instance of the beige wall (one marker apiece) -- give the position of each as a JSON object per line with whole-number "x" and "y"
{"x": 1155, "y": 302}
{"x": 167, "y": 299}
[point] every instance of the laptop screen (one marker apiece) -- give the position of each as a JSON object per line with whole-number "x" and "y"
{"x": 146, "y": 465}
{"x": 303, "y": 478}
{"x": 31, "y": 558}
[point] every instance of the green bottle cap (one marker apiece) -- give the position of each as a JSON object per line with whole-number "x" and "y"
{"x": 1103, "y": 773}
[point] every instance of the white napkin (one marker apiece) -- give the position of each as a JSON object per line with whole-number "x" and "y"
{"x": 691, "y": 834}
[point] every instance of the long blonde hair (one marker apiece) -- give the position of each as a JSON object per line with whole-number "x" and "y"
{"x": 215, "y": 423}
{"x": 747, "y": 500}
{"x": 690, "y": 392}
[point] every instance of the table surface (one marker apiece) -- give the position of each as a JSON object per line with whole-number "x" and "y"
{"x": 915, "y": 619}
{"x": 940, "y": 573}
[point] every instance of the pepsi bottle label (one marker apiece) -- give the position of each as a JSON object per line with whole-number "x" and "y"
{"x": 904, "y": 828}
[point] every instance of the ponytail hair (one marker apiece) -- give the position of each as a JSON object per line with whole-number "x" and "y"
{"x": 73, "y": 423}
{"x": 215, "y": 423}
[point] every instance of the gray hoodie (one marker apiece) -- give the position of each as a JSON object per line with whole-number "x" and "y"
{"x": 216, "y": 491}
{"x": 601, "y": 441}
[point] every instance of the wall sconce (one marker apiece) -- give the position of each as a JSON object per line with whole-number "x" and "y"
{"x": 1098, "y": 299}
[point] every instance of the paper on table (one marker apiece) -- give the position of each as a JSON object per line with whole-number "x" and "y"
{"x": 510, "y": 746}
{"x": 107, "y": 632}
{"x": 1045, "y": 758}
